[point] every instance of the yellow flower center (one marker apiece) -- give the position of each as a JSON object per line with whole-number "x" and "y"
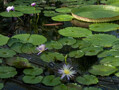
{"x": 66, "y": 71}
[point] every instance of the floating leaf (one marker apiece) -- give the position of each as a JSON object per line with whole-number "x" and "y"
{"x": 34, "y": 38}
{"x": 102, "y": 70}
{"x": 60, "y": 87}
{"x": 49, "y": 7}
{"x": 6, "y": 52}
{"x": 53, "y": 45}
{"x": 67, "y": 41}
{"x": 0, "y": 61}
{"x": 52, "y": 56}
{"x": 92, "y": 88}
{"x": 7, "y": 72}
{"x": 3, "y": 40}
{"x": 11, "y": 14}
{"x": 90, "y": 51}
{"x": 87, "y": 80}
{"x": 117, "y": 74}
{"x": 23, "y": 8}
{"x": 51, "y": 80}
{"x": 103, "y": 27}
{"x": 18, "y": 62}
{"x": 33, "y": 71}
{"x": 1, "y": 85}
{"x": 63, "y": 10}
{"x": 62, "y": 18}
{"x": 12, "y": 41}
{"x": 32, "y": 79}
{"x": 75, "y": 32}
{"x": 101, "y": 40}
{"x": 110, "y": 60}
{"x": 76, "y": 54}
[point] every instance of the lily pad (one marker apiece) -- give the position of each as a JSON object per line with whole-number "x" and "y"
{"x": 87, "y": 80}
{"x": 117, "y": 74}
{"x": 53, "y": 45}
{"x": 3, "y": 40}
{"x": 52, "y": 56}
{"x": 92, "y": 88}
{"x": 76, "y": 54}
{"x": 12, "y": 41}
{"x": 51, "y": 80}
{"x": 90, "y": 51}
{"x": 7, "y": 72}
{"x": 34, "y": 38}
{"x": 0, "y": 61}
{"x": 1, "y": 85}
{"x": 60, "y": 87}
{"x": 33, "y": 71}
{"x": 11, "y": 14}
{"x": 7, "y": 52}
{"x": 110, "y": 60}
{"x": 75, "y": 32}
{"x": 63, "y": 10}
{"x": 104, "y": 40}
{"x": 62, "y": 18}
{"x": 32, "y": 79}
{"x": 23, "y": 8}
{"x": 67, "y": 41}
{"x": 18, "y": 62}
{"x": 102, "y": 70}
{"x": 103, "y": 27}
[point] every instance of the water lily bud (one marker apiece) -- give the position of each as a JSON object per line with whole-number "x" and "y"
{"x": 10, "y": 8}
{"x": 33, "y": 4}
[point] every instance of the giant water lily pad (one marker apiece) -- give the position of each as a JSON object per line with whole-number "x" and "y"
{"x": 110, "y": 60}
{"x": 90, "y": 51}
{"x": 6, "y": 52}
{"x": 75, "y": 32}
{"x": 62, "y": 18}
{"x": 87, "y": 79}
{"x": 67, "y": 41}
{"x": 63, "y": 10}
{"x": 96, "y": 13}
{"x": 76, "y": 54}
{"x": 51, "y": 80}
{"x": 34, "y": 38}
{"x": 32, "y": 79}
{"x": 52, "y": 56}
{"x": 11, "y": 14}
{"x": 103, "y": 27}
{"x": 7, "y": 72}
{"x": 3, "y": 40}
{"x": 102, "y": 70}
{"x": 101, "y": 40}
{"x": 33, "y": 71}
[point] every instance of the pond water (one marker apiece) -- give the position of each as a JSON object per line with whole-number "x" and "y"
{"x": 37, "y": 40}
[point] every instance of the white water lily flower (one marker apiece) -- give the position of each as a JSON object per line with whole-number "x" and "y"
{"x": 41, "y": 48}
{"x": 10, "y": 8}
{"x": 67, "y": 71}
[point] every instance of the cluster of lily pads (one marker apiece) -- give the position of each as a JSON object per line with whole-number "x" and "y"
{"x": 75, "y": 44}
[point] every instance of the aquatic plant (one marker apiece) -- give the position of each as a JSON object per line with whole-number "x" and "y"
{"x": 10, "y": 8}
{"x": 41, "y": 48}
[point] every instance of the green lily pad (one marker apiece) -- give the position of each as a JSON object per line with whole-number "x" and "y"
{"x": 63, "y": 10}
{"x": 81, "y": 44}
{"x": 23, "y": 8}
{"x": 49, "y": 7}
{"x": 52, "y": 56}
{"x": 67, "y": 41}
{"x": 0, "y": 61}
{"x": 103, "y": 27}
{"x": 31, "y": 11}
{"x": 117, "y": 74}
{"x": 32, "y": 79}
{"x": 12, "y": 41}
{"x": 3, "y": 40}
{"x": 4, "y": 52}
{"x": 33, "y": 71}
{"x": 18, "y": 62}
{"x": 54, "y": 45}
{"x": 60, "y": 87}
{"x": 34, "y": 38}
{"x": 90, "y": 51}
{"x": 76, "y": 54}
{"x": 51, "y": 80}
{"x": 110, "y": 60}
{"x": 62, "y": 18}
{"x": 7, "y": 72}
{"x": 102, "y": 70}
{"x": 92, "y": 88}
{"x": 116, "y": 45}
{"x": 101, "y": 40}
{"x": 87, "y": 80}
{"x": 11, "y": 14}
{"x": 75, "y": 32}
{"x": 50, "y": 13}
{"x": 1, "y": 85}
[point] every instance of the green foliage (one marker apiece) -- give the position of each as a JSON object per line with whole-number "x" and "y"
{"x": 7, "y": 72}
{"x": 1, "y": 85}
{"x": 75, "y": 32}
{"x": 3, "y": 40}
{"x": 51, "y": 80}
{"x": 63, "y": 10}
{"x": 92, "y": 88}
{"x": 0, "y": 61}
{"x": 76, "y": 54}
